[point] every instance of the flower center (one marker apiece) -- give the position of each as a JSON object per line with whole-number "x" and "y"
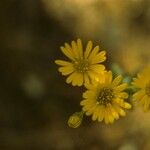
{"x": 105, "y": 96}
{"x": 81, "y": 65}
{"x": 147, "y": 90}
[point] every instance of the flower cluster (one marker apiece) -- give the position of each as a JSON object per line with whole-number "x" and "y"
{"x": 105, "y": 96}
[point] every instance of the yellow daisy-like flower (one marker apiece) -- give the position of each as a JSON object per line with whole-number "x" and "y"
{"x": 142, "y": 82}
{"x": 104, "y": 99}
{"x": 83, "y": 65}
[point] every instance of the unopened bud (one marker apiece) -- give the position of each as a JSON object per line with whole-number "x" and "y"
{"x": 75, "y": 120}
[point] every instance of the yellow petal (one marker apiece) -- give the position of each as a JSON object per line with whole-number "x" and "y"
{"x": 122, "y": 95}
{"x": 89, "y": 94}
{"x": 138, "y": 95}
{"x": 78, "y": 79}
{"x": 106, "y": 119}
{"x": 119, "y": 110}
{"x": 70, "y": 78}
{"x": 68, "y": 47}
{"x": 139, "y": 82}
{"x": 87, "y": 104}
{"x": 66, "y": 70}
{"x": 98, "y": 68}
{"x": 108, "y": 77}
{"x": 142, "y": 100}
{"x": 86, "y": 78}
{"x": 80, "y": 48}
{"x": 63, "y": 63}
{"x": 88, "y": 49}
{"x": 117, "y": 80}
{"x": 147, "y": 104}
{"x": 127, "y": 105}
{"x": 92, "y": 75}
{"x": 114, "y": 112}
{"x": 91, "y": 110}
{"x": 95, "y": 114}
{"x": 75, "y": 49}
{"x": 93, "y": 53}
{"x": 89, "y": 107}
{"x": 121, "y": 87}
{"x": 100, "y": 57}
{"x": 110, "y": 116}
{"x": 122, "y": 112}
{"x": 84, "y": 102}
{"x": 123, "y": 104}
{"x": 101, "y": 113}
{"x": 67, "y": 52}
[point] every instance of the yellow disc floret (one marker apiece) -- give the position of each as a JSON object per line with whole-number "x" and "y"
{"x": 105, "y": 96}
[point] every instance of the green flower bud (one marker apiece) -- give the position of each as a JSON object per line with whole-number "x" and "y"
{"x": 75, "y": 120}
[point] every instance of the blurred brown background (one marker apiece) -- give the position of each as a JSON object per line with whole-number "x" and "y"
{"x": 35, "y": 101}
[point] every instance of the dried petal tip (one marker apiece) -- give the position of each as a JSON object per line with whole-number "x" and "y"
{"x": 75, "y": 120}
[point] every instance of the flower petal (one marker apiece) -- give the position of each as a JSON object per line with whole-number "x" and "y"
{"x": 100, "y": 57}
{"x": 108, "y": 77}
{"x": 88, "y": 49}
{"x": 147, "y": 103}
{"x": 80, "y": 48}
{"x": 90, "y": 111}
{"x": 101, "y": 113}
{"x": 123, "y": 104}
{"x": 63, "y": 63}
{"x": 106, "y": 116}
{"x": 119, "y": 110}
{"x": 98, "y": 68}
{"x": 89, "y": 94}
{"x": 66, "y": 70}
{"x": 114, "y": 112}
{"x": 95, "y": 114}
{"x": 67, "y": 52}
{"x": 93, "y": 53}
{"x": 123, "y": 95}
{"x": 86, "y": 78}
{"x": 75, "y": 50}
{"x": 121, "y": 87}
{"x": 70, "y": 78}
{"x": 78, "y": 79}
{"x": 138, "y": 95}
{"x": 117, "y": 80}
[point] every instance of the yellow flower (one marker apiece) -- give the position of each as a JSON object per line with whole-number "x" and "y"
{"x": 82, "y": 65}
{"x": 142, "y": 82}
{"x": 104, "y": 100}
{"x": 75, "y": 120}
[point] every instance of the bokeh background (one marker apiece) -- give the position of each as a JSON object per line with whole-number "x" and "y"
{"x": 35, "y": 101}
